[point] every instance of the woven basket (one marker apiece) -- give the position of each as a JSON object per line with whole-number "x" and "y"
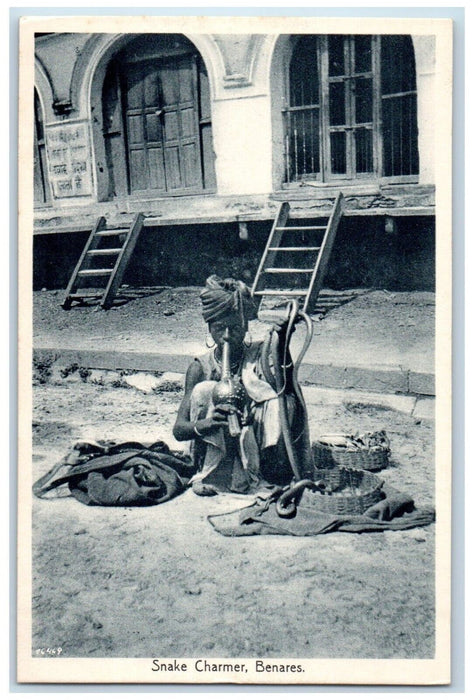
{"x": 348, "y": 491}
{"x": 369, "y": 451}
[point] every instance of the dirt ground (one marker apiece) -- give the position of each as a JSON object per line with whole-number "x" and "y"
{"x": 160, "y": 582}
{"x": 350, "y": 326}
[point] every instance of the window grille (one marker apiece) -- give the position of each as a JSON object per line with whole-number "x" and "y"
{"x": 399, "y": 125}
{"x": 351, "y": 108}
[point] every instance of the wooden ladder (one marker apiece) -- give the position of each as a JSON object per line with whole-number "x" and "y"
{"x": 303, "y": 252}
{"x": 120, "y": 243}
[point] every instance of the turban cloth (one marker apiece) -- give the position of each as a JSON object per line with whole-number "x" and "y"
{"x": 221, "y": 297}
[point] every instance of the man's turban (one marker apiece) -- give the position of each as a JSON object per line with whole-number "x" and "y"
{"x": 223, "y": 296}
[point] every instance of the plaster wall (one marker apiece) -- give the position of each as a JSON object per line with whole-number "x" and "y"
{"x": 247, "y": 88}
{"x": 425, "y": 53}
{"x": 58, "y": 54}
{"x": 242, "y": 144}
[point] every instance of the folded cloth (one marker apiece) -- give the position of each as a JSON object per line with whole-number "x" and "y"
{"x": 127, "y": 474}
{"x": 395, "y": 511}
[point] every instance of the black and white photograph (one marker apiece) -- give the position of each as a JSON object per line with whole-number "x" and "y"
{"x": 234, "y": 350}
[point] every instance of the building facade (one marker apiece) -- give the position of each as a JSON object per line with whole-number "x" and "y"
{"x": 218, "y": 129}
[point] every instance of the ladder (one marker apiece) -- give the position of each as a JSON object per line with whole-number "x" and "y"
{"x": 296, "y": 256}
{"x": 105, "y": 257}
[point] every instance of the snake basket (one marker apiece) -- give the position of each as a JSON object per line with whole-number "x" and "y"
{"x": 370, "y": 451}
{"x": 348, "y": 491}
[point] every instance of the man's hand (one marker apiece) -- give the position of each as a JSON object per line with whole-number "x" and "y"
{"x": 217, "y": 419}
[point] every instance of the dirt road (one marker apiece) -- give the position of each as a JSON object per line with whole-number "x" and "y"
{"x": 160, "y": 582}
{"x": 350, "y": 327}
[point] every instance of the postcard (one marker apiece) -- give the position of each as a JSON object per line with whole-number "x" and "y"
{"x": 234, "y": 350}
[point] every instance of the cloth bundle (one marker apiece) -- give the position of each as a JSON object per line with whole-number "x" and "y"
{"x": 125, "y": 474}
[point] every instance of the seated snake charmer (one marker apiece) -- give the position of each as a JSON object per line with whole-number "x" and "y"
{"x": 256, "y": 457}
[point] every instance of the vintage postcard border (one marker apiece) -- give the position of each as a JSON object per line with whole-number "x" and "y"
{"x": 341, "y": 671}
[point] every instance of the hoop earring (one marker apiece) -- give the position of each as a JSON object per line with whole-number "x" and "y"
{"x": 212, "y": 345}
{"x": 247, "y": 342}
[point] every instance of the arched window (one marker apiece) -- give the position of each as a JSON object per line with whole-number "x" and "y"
{"x": 41, "y": 184}
{"x": 156, "y": 119}
{"x": 351, "y": 108}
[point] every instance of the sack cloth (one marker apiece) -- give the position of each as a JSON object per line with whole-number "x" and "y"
{"x": 125, "y": 474}
{"x": 396, "y": 511}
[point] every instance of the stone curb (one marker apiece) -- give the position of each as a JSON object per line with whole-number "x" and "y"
{"x": 384, "y": 380}
{"x": 421, "y": 408}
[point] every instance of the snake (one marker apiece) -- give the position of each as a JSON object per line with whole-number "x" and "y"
{"x": 276, "y": 347}
{"x": 285, "y": 506}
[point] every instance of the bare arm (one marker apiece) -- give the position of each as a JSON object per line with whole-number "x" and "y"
{"x": 184, "y": 429}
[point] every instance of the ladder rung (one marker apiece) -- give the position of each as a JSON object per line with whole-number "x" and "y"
{"x": 95, "y": 273}
{"x": 288, "y": 270}
{"x": 282, "y": 292}
{"x": 300, "y": 228}
{"x": 112, "y": 232}
{"x": 86, "y": 295}
{"x": 297, "y": 248}
{"x": 104, "y": 251}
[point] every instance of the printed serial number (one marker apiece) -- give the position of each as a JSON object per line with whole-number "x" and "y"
{"x": 49, "y": 651}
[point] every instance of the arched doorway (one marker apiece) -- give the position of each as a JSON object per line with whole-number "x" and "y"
{"x": 156, "y": 119}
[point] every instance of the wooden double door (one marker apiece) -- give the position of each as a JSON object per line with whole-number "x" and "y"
{"x": 157, "y": 119}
